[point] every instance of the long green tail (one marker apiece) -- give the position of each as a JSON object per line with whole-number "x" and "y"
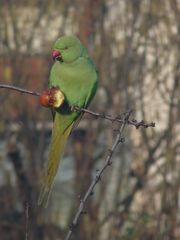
{"x": 57, "y": 146}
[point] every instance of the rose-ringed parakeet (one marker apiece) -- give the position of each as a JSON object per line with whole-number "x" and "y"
{"x": 75, "y": 75}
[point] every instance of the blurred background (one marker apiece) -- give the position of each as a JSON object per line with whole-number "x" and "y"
{"x": 136, "y": 47}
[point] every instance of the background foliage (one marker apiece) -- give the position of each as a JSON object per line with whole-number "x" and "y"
{"x": 136, "y": 47}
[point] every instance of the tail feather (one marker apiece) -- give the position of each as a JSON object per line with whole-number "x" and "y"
{"x": 57, "y": 146}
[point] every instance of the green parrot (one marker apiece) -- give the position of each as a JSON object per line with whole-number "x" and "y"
{"x": 75, "y": 75}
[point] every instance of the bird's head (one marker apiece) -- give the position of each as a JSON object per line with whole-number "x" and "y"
{"x": 67, "y": 49}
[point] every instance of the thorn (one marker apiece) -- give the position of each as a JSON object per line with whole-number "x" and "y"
{"x": 84, "y": 212}
{"x": 98, "y": 178}
{"x": 119, "y": 117}
{"x": 103, "y": 115}
{"x": 109, "y": 163}
{"x": 91, "y": 193}
{"x": 96, "y": 116}
{"x": 134, "y": 120}
{"x": 122, "y": 140}
{"x": 110, "y": 152}
{"x": 72, "y": 227}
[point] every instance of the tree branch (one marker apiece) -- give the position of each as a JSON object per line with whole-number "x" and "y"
{"x": 119, "y": 139}
{"x": 122, "y": 119}
{"x": 118, "y": 118}
{"x": 21, "y": 90}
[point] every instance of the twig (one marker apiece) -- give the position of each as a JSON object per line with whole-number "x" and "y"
{"x": 22, "y": 90}
{"x": 27, "y": 221}
{"x": 119, "y": 119}
{"x": 119, "y": 139}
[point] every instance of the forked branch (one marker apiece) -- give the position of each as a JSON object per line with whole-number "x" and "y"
{"x": 119, "y": 139}
{"x": 122, "y": 119}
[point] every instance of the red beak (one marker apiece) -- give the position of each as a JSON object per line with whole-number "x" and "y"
{"x": 55, "y": 54}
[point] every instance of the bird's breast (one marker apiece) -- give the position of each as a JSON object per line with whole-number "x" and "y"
{"x": 73, "y": 81}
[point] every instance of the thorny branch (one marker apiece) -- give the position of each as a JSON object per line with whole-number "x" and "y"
{"x": 115, "y": 119}
{"x": 123, "y": 120}
{"x": 119, "y": 139}
{"x": 118, "y": 118}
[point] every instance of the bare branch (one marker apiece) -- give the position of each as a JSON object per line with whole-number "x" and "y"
{"x": 22, "y": 90}
{"x": 119, "y": 118}
{"x": 119, "y": 139}
{"x": 115, "y": 119}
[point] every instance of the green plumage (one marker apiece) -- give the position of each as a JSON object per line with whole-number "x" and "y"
{"x": 76, "y": 76}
